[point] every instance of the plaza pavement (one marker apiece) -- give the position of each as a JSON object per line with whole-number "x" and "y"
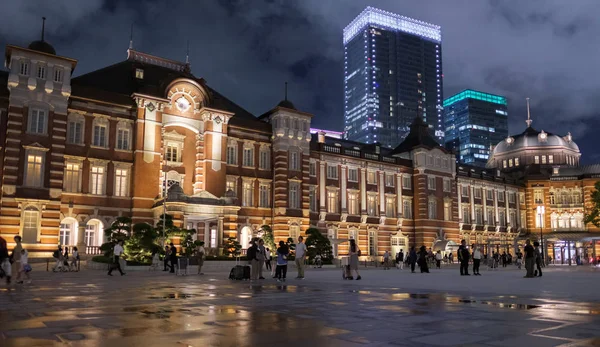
{"x": 385, "y": 308}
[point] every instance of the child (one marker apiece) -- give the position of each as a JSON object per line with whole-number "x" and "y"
{"x": 25, "y": 267}
{"x": 75, "y": 259}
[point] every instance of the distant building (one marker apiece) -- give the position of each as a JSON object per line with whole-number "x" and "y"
{"x": 392, "y": 74}
{"x": 328, "y": 133}
{"x": 475, "y": 121}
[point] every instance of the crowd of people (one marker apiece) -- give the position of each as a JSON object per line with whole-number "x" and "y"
{"x": 64, "y": 261}
{"x": 259, "y": 257}
{"x": 15, "y": 263}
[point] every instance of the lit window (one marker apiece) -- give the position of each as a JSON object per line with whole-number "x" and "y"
{"x": 536, "y": 159}
{"x": 64, "y": 236}
{"x": 543, "y": 159}
{"x": 34, "y": 175}
{"x": 372, "y": 205}
{"x": 121, "y": 182}
{"x": 447, "y": 211}
{"x": 97, "y": 180}
{"x": 353, "y": 203}
{"x": 72, "y": 177}
{"x": 371, "y": 177}
{"x": 30, "y": 225}
{"x": 372, "y": 243}
{"x": 504, "y": 164}
{"x": 432, "y": 209}
{"x": 231, "y": 185}
{"x": 248, "y": 193}
{"x": 447, "y": 185}
{"x": 172, "y": 153}
{"x": 390, "y": 207}
{"x": 139, "y": 74}
{"x": 516, "y": 161}
{"x": 264, "y": 193}
{"x": 37, "y": 121}
{"x": 510, "y": 162}
{"x": 389, "y": 180}
{"x": 332, "y": 201}
{"x": 312, "y": 197}
{"x": 551, "y": 159}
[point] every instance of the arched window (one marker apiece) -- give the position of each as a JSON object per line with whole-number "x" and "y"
{"x": 94, "y": 231}
{"x": 68, "y": 232}
{"x": 31, "y": 221}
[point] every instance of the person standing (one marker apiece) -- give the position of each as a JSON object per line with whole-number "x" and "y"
{"x": 25, "y": 267}
{"x": 463, "y": 258}
{"x": 386, "y": 260}
{"x": 252, "y": 255}
{"x": 66, "y": 258}
{"x": 538, "y": 258}
{"x": 75, "y": 259}
{"x": 400, "y": 260}
{"x": 262, "y": 258}
{"x": 476, "y": 260}
{"x": 529, "y": 259}
{"x": 504, "y": 259}
{"x": 16, "y": 258}
{"x": 438, "y": 259}
{"x": 423, "y": 255}
{"x": 200, "y": 252}
{"x": 268, "y": 260}
{"x": 412, "y": 259}
{"x": 451, "y": 258}
{"x": 5, "y": 267}
{"x": 519, "y": 259}
{"x": 354, "y": 253}
{"x": 300, "y": 255}
{"x": 167, "y": 257}
{"x": 117, "y": 254}
{"x": 173, "y": 257}
{"x": 281, "y": 268}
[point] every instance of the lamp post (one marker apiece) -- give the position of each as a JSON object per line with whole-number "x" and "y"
{"x": 541, "y": 210}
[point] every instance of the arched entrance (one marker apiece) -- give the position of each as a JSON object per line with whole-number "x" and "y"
{"x": 68, "y": 232}
{"x": 94, "y": 233}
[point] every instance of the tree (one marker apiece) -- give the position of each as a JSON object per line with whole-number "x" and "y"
{"x": 169, "y": 228}
{"x": 317, "y": 243}
{"x": 594, "y": 216}
{"x": 142, "y": 243}
{"x": 119, "y": 230}
{"x": 231, "y": 247}
{"x": 268, "y": 237}
{"x": 187, "y": 241}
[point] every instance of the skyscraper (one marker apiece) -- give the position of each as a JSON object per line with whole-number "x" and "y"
{"x": 475, "y": 121}
{"x": 392, "y": 73}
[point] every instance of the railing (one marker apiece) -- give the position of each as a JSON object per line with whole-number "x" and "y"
{"x": 389, "y": 160}
{"x": 352, "y": 152}
{"x": 332, "y": 149}
{"x": 92, "y": 250}
{"x": 567, "y": 205}
{"x": 371, "y": 156}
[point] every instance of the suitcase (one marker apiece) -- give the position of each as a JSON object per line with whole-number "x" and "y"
{"x": 239, "y": 272}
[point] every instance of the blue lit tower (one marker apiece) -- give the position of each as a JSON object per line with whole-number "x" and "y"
{"x": 475, "y": 121}
{"x": 392, "y": 74}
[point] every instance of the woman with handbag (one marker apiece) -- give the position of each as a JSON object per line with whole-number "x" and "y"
{"x": 25, "y": 267}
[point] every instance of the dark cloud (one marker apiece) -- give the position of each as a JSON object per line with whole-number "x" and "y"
{"x": 543, "y": 49}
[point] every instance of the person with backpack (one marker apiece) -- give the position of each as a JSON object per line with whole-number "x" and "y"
{"x": 281, "y": 268}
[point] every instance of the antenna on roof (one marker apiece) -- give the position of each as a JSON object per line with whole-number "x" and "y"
{"x": 528, "y": 121}
{"x": 187, "y": 53}
{"x": 285, "y": 91}
{"x": 43, "y": 27}
{"x": 131, "y": 37}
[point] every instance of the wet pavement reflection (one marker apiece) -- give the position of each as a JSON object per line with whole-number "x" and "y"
{"x": 157, "y": 309}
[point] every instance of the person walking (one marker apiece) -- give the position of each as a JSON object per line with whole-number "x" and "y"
{"x": 252, "y": 255}
{"x": 412, "y": 259}
{"x": 476, "y": 260}
{"x": 386, "y": 260}
{"x": 173, "y": 257}
{"x": 200, "y": 252}
{"x": 262, "y": 258}
{"x": 400, "y": 260}
{"x": 117, "y": 254}
{"x": 354, "y": 253}
{"x": 438, "y": 259}
{"x": 25, "y": 267}
{"x": 16, "y": 259}
{"x": 5, "y": 267}
{"x": 451, "y": 258}
{"x": 57, "y": 254}
{"x": 504, "y": 258}
{"x": 282, "y": 262}
{"x": 529, "y": 259}
{"x": 538, "y": 259}
{"x": 519, "y": 259}
{"x": 167, "y": 257}
{"x": 300, "y": 255}
{"x": 66, "y": 258}
{"x": 423, "y": 255}
{"x": 75, "y": 260}
{"x": 268, "y": 260}
{"x": 463, "y": 258}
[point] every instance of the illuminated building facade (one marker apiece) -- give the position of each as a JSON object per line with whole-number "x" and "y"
{"x": 474, "y": 122}
{"x": 392, "y": 74}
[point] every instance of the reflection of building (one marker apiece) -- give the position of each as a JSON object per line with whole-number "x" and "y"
{"x": 78, "y": 153}
{"x": 392, "y": 74}
{"x": 474, "y": 122}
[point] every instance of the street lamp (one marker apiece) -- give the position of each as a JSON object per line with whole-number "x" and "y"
{"x": 541, "y": 210}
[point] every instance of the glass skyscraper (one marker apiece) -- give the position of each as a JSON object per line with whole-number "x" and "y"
{"x": 392, "y": 74}
{"x": 475, "y": 121}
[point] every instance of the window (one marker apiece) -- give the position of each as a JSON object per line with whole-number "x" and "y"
{"x": 231, "y": 185}
{"x": 30, "y": 225}
{"x": 551, "y": 159}
{"x": 543, "y": 159}
{"x": 478, "y": 216}
{"x": 295, "y": 161}
{"x": 390, "y": 207}
{"x": 90, "y": 234}
{"x": 406, "y": 183}
{"x": 294, "y": 195}
{"x": 490, "y": 217}
{"x": 213, "y": 237}
{"x": 24, "y": 69}
{"x": 312, "y": 169}
{"x": 510, "y": 163}
{"x": 407, "y": 209}
{"x": 372, "y": 243}
{"x": 447, "y": 210}
{"x": 465, "y": 190}
{"x": 75, "y": 131}
{"x": 477, "y": 193}
{"x": 72, "y": 177}
{"x": 501, "y": 218}
{"x": 490, "y": 194}
{"x": 172, "y": 152}
{"x": 513, "y": 219}
{"x": 97, "y": 180}
{"x": 139, "y": 74}
{"x": 37, "y": 121}
{"x": 389, "y": 180}
{"x": 536, "y": 159}
{"x": 57, "y": 75}
{"x": 248, "y": 157}
{"x": 447, "y": 186}
{"x": 232, "y": 157}
{"x": 371, "y": 177}
{"x": 123, "y": 138}
{"x": 516, "y": 161}
{"x": 34, "y": 174}
{"x": 100, "y": 135}
{"x": 332, "y": 201}
{"x": 432, "y": 209}
{"x": 64, "y": 236}
{"x": 41, "y": 72}
{"x": 500, "y": 196}
{"x": 332, "y": 171}
{"x": 538, "y": 196}
{"x": 431, "y": 183}
{"x": 264, "y": 159}
{"x": 264, "y": 192}
{"x": 121, "y": 182}
{"x": 511, "y": 197}
{"x": 248, "y": 193}
{"x": 504, "y": 164}
{"x": 353, "y": 234}
{"x": 312, "y": 197}
{"x": 465, "y": 216}
{"x": 353, "y": 175}
{"x": 372, "y": 205}
{"x": 294, "y": 232}
{"x": 353, "y": 204}
{"x": 521, "y": 198}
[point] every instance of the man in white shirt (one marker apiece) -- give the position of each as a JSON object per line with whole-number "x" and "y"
{"x": 117, "y": 253}
{"x": 476, "y": 260}
{"x": 300, "y": 254}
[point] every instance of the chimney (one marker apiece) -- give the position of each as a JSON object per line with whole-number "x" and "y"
{"x": 321, "y": 135}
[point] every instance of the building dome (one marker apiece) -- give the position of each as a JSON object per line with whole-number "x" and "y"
{"x": 286, "y": 104}
{"x": 533, "y": 139}
{"x": 42, "y": 46}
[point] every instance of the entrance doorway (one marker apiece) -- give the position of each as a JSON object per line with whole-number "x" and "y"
{"x": 399, "y": 243}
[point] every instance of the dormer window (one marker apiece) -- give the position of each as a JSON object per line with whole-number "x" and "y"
{"x": 24, "y": 69}
{"x": 41, "y": 72}
{"x": 139, "y": 74}
{"x": 58, "y": 75}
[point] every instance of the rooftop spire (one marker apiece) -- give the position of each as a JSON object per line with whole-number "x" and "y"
{"x": 187, "y": 53}
{"x": 131, "y": 37}
{"x": 528, "y": 121}
{"x": 43, "y": 27}
{"x": 285, "y": 91}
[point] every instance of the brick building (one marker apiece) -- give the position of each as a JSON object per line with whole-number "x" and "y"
{"x": 79, "y": 152}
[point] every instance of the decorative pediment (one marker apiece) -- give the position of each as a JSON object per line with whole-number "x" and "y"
{"x": 206, "y": 195}
{"x": 36, "y": 147}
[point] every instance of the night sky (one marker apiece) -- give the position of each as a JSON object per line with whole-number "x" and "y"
{"x": 246, "y": 49}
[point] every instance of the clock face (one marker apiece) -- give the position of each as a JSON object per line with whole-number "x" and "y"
{"x": 182, "y": 104}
